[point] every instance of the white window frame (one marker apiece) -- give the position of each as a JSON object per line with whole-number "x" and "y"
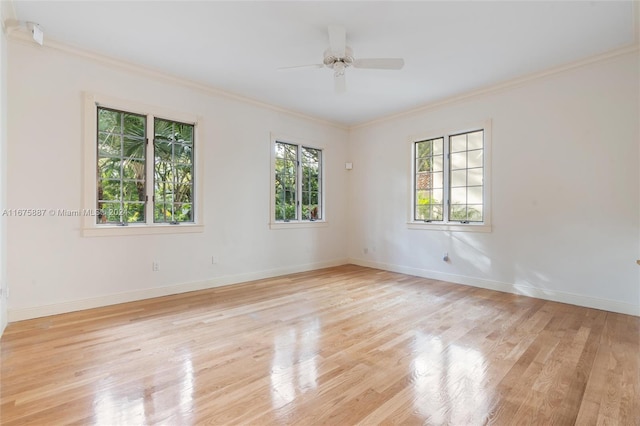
{"x": 455, "y": 226}
{"x": 89, "y": 203}
{"x": 300, "y": 223}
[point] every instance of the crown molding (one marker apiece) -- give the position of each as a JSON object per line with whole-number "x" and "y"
{"x": 17, "y": 34}
{"x": 20, "y": 35}
{"x": 509, "y": 84}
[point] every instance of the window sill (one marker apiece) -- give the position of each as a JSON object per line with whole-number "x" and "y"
{"x": 295, "y": 224}
{"x": 116, "y": 231}
{"x": 469, "y": 227}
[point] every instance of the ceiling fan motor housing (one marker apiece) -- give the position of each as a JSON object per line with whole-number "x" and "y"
{"x": 330, "y": 59}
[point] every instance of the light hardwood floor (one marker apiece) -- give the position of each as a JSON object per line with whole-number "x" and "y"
{"x": 338, "y": 346}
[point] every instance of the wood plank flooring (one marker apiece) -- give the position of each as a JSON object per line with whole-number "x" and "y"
{"x": 340, "y": 346}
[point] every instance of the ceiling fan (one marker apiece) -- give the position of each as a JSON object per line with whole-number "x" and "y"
{"x": 339, "y": 57}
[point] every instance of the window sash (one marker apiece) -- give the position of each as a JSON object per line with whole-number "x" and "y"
{"x": 124, "y": 174}
{"x": 442, "y": 173}
{"x": 173, "y": 172}
{"x": 297, "y": 186}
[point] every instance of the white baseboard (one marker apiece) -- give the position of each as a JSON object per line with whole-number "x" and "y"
{"x": 538, "y": 293}
{"x": 113, "y": 299}
{"x": 132, "y": 296}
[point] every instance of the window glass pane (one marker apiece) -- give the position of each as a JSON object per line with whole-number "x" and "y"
{"x": 458, "y": 212}
{"x": 458, "y": 143}
{"x": 134, "y": 125}
{"x": 109, "y": 212}
{"x": 109, "y": 145}
{"x": 162, "y": 150}
{"x": 109, "y": 190}
{"x": 458, "y": 178}
{"x": 474, "y": 195}
{"x": 438, "y": 163}
{"x": 109, "y": 121}
{"x": 437, "y": 180}
{"x": 423, "y": 149}
{"x": 424, "y": 164}
{"x": 458, "y": 195}
{"x": 475, "y": 176}
{"x": 475, "y": 159}
{"x": 474, "y": 213}
{"x": 133, "y": 212}
{"x": 133, "y": 148}
{"x": 160, "y": 213}
{"x": 133, "y": 169}
{"x": 182, "y": 153}
{"x": 423, "y": 212}
{"x": 436, "y": 196}
{"x": 182, "y": 212}
{"x": 459, "y": 161}
{"x": 438, "y": 146}
{"x": 423, "y": 198}
{"x": 475, "y": 140}
{"x": 109, "y": 168}
{"x": 436, "y": 211}
{"x": 133, "y": 191}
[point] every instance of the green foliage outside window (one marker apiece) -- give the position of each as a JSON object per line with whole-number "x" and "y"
{"x": 287, "y": 175}
{"x": 121, "y": 171}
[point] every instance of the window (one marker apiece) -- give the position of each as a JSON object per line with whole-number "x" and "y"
{"x": 144, "y": 171}
{"x": 297, "y": 183}
{"x": 450, "y": 185}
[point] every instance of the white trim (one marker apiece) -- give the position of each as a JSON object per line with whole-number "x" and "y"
{"x": 524, "y": 290}
{"x": 133, "y": 229}
{"x": 21, "y": 314}
{"x": 469, "y": 227}
{"x": 297, "y": 224}
{"x": 22, "y": 36}
{"x": 89, "y": 227}
{"x": 501, "y": 86}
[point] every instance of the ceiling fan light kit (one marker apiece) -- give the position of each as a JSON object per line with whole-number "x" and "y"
{"x": 339, "y": 57}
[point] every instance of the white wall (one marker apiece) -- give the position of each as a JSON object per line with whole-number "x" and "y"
{"x": 3, "y": 172}
{"x": 53, "y": 268}
{"x": 565, "y": 191}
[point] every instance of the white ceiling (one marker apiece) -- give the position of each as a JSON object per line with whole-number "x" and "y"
{"x": 449, "y": 47}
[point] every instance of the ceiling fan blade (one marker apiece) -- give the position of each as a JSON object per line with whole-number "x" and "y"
{"x": 340, "y": 83}
{"x": 301, "y": 67}
{"x": 337, "y": 40}
{"x": 379, "y": 63}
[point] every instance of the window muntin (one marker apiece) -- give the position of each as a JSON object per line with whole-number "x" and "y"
{"x": 122, "y": 157}
{"x": 298, "y": 183}
{"x": 173, "y": 171}
{"x": 121, "y": 173}
{"x": 449, "y": 174}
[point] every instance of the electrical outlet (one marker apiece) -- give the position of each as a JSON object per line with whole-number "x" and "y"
{"x": 155, "y": 266}
{"x": 214, "y": 260}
